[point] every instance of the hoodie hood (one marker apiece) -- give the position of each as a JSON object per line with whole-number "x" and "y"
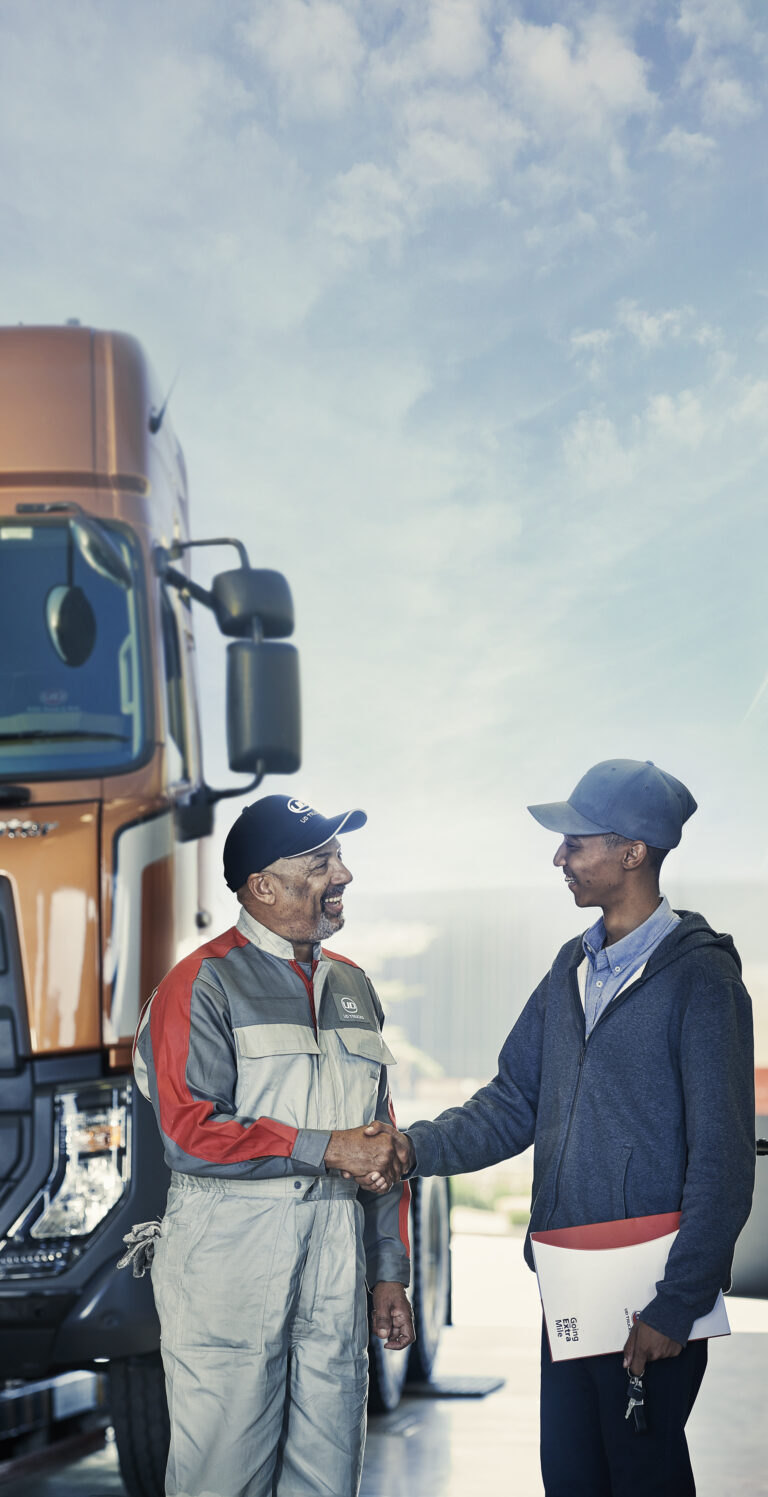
{"x": 692, "y": 932}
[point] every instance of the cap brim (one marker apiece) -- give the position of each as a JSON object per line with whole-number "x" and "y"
{"x": 559, "y": 816}
{"x": 319, "y": 830}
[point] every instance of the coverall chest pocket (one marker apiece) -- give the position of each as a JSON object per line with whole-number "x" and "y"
{"x": 275, "y": 1070}
{"x": 363, "y": 1053}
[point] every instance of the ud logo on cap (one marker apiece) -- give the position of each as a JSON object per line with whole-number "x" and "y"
{"x": 299, "y": 807}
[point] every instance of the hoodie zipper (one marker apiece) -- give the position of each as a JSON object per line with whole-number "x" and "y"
{"x": 612, "y": 1006}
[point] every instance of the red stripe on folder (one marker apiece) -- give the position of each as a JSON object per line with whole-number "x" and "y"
{"x": 624, "y": 1233}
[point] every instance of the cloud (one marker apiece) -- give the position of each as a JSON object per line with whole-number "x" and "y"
{"x": 464, "y": 140}
{"x": 726, "y": 100}
{"x": 436, "y": 41}
{"x": 651, "y": 329}
{"x": 312, "y": 49}
{"x": 677, "y": 418}
{"x": 652, "y": 453}
{"x": 725, "y": 43}
{"x": 709, "y": 24}
{"x": 591, "y": 348}
{"x": 588, "y": 80}
{"x": 366, "y": 203}
{"x": 688, "y": 146}
{"x": 596, "y": 455}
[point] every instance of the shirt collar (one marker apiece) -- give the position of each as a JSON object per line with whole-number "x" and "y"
{"x": 268, "y": 940}
{"x": 631, "y": 947}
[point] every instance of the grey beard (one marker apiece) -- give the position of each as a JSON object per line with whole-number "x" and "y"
{"x": 323, "y": 930}
{"x": 326, "y": 927}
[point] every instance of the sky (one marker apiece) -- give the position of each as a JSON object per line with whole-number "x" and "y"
{"x": 469, "y": 302}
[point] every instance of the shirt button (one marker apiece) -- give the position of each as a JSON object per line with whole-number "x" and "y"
{"x": 617, "y": 969}
{"x": 599, "y": 984}
{"x": 297, "y": 1185}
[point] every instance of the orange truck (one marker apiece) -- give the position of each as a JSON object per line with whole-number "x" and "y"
{"x": 105, "y": 816}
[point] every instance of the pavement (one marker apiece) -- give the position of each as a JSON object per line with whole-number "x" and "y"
{"x": 447, "y": 1447}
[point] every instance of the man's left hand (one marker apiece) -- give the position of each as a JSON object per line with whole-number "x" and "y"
{"x": 646, "y": 1345}
{"x": 392, "y": 1316}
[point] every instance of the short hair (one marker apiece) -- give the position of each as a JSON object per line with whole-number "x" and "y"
{"x": 656, "y": 855}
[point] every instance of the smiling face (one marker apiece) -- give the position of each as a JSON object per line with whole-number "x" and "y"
{"x": 301, "y": 899}
{"x": 594, "y": 872}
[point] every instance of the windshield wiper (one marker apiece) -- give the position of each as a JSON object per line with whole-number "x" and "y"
{"x": 77, "y": 733}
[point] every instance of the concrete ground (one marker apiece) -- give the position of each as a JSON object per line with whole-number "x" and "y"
{"x": 449, "y": 1447}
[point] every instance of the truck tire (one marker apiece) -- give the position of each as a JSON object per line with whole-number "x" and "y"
{"x": 430, "y": 1233}
{"x": 140, "y": 1420}
{"x": 431, "y": 1290}
{"x": 387, "y": 1371}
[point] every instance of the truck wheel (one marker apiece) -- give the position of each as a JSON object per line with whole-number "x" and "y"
{"x": 431, "y": 1291}
{"x": 140, "y": 1419}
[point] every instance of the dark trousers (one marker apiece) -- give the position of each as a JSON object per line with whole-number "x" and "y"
{"x": 588, "y": 1448}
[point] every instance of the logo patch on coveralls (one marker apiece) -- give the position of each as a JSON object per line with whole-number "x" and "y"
{"x": 349, "y": 1009}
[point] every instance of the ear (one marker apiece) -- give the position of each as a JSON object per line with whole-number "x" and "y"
{"x": 261, "y": 888}
{"x": 634, "y": 856}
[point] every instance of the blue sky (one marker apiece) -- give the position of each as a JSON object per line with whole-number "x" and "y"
{"x": 471, "y": 309}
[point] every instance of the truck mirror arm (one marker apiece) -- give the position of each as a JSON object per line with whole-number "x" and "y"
{"x": 184, "y": 584}
{"x": 194, "y": 817}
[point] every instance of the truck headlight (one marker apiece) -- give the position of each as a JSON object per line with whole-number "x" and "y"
{"x": 90, "y": 1171}
{"x": 93, "y": 1143}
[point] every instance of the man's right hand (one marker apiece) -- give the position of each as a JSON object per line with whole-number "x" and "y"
{"x": 369, "y": 1154}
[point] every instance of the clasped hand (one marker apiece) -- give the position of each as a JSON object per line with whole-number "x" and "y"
{"x": 376, "y": 1156}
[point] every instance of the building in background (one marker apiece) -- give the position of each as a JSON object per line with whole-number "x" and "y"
{"x": 455, "y": 968}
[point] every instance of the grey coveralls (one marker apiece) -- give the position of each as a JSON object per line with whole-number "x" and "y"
{"x": 259, "y": 1270}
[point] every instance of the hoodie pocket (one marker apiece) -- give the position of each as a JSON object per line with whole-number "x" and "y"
{"x": 625, "y": 1155}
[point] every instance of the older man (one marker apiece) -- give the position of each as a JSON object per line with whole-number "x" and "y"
{"x": 630, "y": 1071}
{"x": 263, "y": 1058}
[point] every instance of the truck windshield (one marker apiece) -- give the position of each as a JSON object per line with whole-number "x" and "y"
{"x": 71, "y": 696}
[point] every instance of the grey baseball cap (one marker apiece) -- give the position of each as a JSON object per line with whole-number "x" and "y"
{"x": 631, "y": 797}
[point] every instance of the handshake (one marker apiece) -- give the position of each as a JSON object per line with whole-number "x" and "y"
{"x": 376, "y": 1156}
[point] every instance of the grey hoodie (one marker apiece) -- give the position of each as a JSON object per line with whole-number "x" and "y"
{"x": 653, "y": 1113}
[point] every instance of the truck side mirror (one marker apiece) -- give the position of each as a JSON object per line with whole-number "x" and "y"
{"x": 263, "y": 711}
{"x": 247, "y": 593}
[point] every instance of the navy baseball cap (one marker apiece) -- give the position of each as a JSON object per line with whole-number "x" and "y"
{"x": 279, "y": 826}
{"x": 630, "y": 797}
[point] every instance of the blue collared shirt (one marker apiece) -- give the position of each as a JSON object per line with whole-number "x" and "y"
{"x": 610, "y": 967}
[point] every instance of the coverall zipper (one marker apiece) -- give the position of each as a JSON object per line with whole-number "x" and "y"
{"x": 307, "y": 981}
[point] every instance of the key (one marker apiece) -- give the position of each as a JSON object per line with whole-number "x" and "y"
{"x": 636, "y": 1405}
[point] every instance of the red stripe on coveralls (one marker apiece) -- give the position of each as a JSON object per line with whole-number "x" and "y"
{"x": 183, "y": 1118}
{"x": 405, "y": 1199}
{"x": 335, "y": 956}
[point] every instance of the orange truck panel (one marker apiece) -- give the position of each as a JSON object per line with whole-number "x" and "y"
{"x": 57, "y": 904}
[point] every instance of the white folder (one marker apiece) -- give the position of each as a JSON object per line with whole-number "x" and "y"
{"x": 595, "y": 1280}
